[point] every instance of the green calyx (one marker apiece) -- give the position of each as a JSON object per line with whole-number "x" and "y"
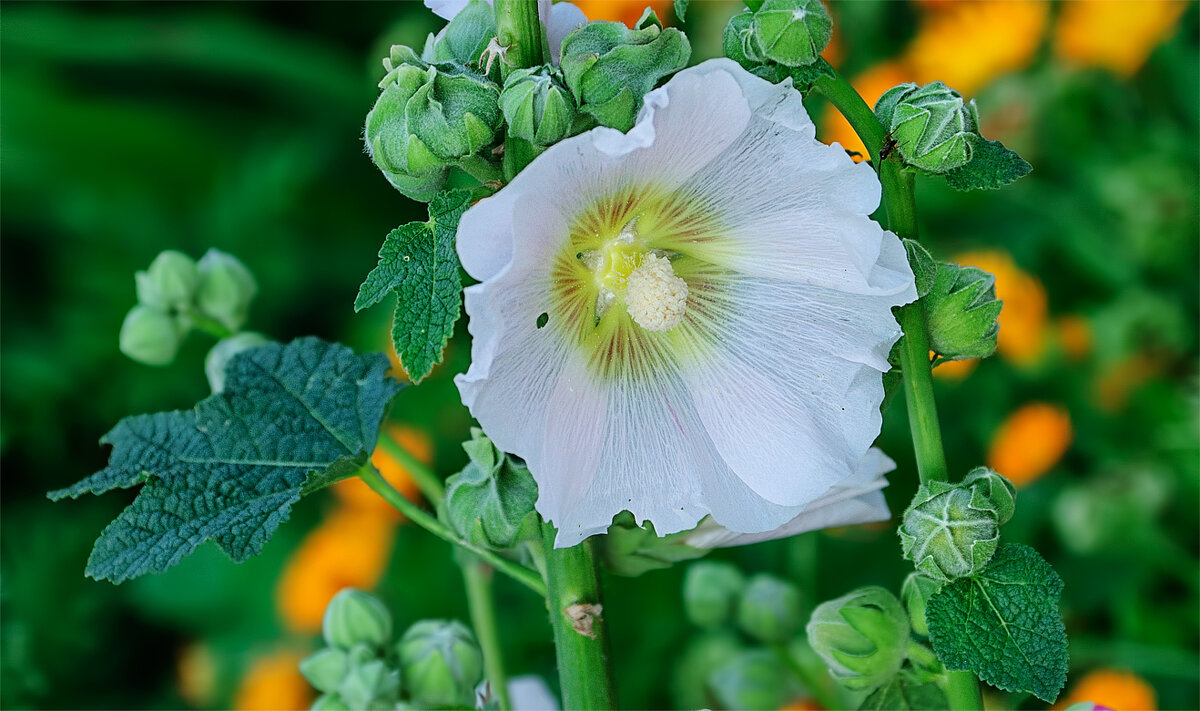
{"x": 915, "y": 591}
{"x": 151, "y": 336}
{"x": 465, "y": 38}
{"x": 630, "y": 549}
{"x": 490, "y": 502}
{"x": 951, "y": 531}
{"x": 740, "y": 45}
{"x": 353, "y": 618}
{"x": 933, "y": 128}
{"x": 769, "y": 609}
{"x": 225, "y": 289}
{"x": 711, "y": 590}
{"x": 790, "y": 32}
{"x": 609, "y": 67}
{"x": 863, "y": 637}
{"x": 537, "y": 106}
{"x": 442, "y": 664}
{"x": 961, "y": 312}
{"x": 428, "y": 118}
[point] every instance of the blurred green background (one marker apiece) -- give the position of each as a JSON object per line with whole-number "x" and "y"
{"x": 126, "y": 129}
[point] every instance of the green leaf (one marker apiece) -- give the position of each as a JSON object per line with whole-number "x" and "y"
{"x": 923, "y": 266}
{"x": 681, "y": 7}
{"x": 418, "y": 263}
{"x": 991, "y": 166}
{"x": 901, "y": 694}
{"x": 291, "y": 419}
{"x": 1004, "y": 624}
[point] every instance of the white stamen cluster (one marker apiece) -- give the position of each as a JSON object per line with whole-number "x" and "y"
{"x": 654, "y": 296}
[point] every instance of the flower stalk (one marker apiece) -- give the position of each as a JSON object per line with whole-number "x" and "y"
{"x": 962, "y": 687}
{"x": 520, "y": 33}
{"x": 477, "y": 577}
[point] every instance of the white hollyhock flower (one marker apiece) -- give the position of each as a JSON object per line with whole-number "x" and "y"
{"x": 687, "y": 319}
{"x": 559, "y": 18}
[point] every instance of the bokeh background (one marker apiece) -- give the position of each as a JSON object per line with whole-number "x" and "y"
{"x": 126, "y": 129}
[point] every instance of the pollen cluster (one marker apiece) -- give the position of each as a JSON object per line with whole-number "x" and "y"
{"x": 654, "y": 297}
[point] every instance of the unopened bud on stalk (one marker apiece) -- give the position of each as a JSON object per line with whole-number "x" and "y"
{"x": 790, "y": 32}
{"x": 863, "y": 637}
{"x": 934, "y": 129}
{"x": 769, "y": 609}
{"x": 537, "y": 106}
{"x": 354, "y": 617}
{"x": 442, "y": 663}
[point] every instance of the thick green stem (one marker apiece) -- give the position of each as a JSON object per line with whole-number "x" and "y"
{"x": 477, "y": 576}
{"x": 576, "y": 614}
{"x": 518, "y": 572}
{"x": 519, "y": 30}
{"x": 429, "y": 483}
{"x": 962, "y": 691}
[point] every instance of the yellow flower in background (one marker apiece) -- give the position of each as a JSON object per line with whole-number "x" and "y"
{"x": 353, "y": 493}
{"x": 1030, "y": 442}
{"x": 955, "y": 370}
{"x": 1074, "y": 336}
{"x": 1117, "y": 690}
{"x": 274, "y": 683}
{"x": 1117, "y": 382}
{"x": 349, "y": 549}
{"x": 196, "y": 674}
{"x": 968, "y": 44}
{"x": 871, "y": 84}
{"x": 625, "y": 11}
{"x": 1117, "y": 35}
{"x": 1023, "y": 320}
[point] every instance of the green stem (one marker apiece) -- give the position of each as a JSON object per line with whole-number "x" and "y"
{"x": 520, "y": 30}
{"x": 962, "y": 691}
{"x": 211, "y": 326}
{"x": 429, "y": 483}
{"x": 516, "y": 571}
{"x": 482, "y": 169}
{"x": 576, "y": 614}
{"x": 821, "y": 691}
{"x": 477, "y": 576}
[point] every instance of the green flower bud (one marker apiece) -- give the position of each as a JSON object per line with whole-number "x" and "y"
{"x": 630, "y": 549}
{"x": 537, "y": 106}
{"x": 863, "y": 637}
{"x": 325, "y": 669}
{"x": 329, "y": 702}
{"x": 710, "y": 592}
{"x": 219, "y": 356}
{"x": 769, "y": 609}
{"x": 369, "y": 682}
{"x": 490, "y": 502}
{"x": 355, "y": 617}
{"x": 169, "y": 283}
{"x": 442, "y": 663}
{"x": 609, "y": 67}
{"x": 961, "y": 311}
{"x": 225, "y": 289}
{"x": 915, "y": 592}
{"x": 428, "y": 117}
{"x": 736, "y": 43}
{"x": 754, "y": 679}
{"x": 150, "y": 336}
{"x": 790, "y": 32}
{"x": 465, "y": 37}
{"x": 702, "y": 656}
{"x": 951, "y": 530}
{"x": 933, "y": 128}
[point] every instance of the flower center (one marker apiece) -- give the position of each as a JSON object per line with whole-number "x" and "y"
{"x": 654, "y": 296}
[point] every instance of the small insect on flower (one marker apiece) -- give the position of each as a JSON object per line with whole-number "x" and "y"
{"x": 687, "y": 319}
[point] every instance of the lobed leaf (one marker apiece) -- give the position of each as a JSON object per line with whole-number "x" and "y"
{"x": 991, "y": 166}
{"x": 291, "y": 419}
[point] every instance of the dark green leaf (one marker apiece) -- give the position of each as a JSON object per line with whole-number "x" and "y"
{"x": 991, "y": 166}
{"x": 1004, "y": 624}
{"x": 901, "y": 694}
{"x": 418, "y": 263}
{"x": 923, "y": 266}
{"x": 681, "y": 7}
{"x": 292, "y": 418}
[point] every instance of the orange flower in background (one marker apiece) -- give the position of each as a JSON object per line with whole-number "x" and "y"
{"x": 1023, "y": 319}
{"x": 968, "y": 44}
{"x": 625, "y": 11}
{"x": 274, "y": 683}
{"x": 1074, "y": 336}
{"x": 196, "y": 674}
{"x": 1116, "y": 383}
{"x": 871, "y": 84}
{"x": 1118, "y": 690}
{"x": 354, "y": 494}
{"x": 349, "y": 549}
{"x": 955, "y": 370}
{"x": 1117, "y": 35}
{"x": 1030, "y": 442}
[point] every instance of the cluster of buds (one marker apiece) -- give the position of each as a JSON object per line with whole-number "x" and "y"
{"x": 176, "y": 294}
{"x": 436, "y": 664}
{"x": 764, "y": 607}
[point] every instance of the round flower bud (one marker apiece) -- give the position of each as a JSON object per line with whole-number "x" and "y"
{"x": 703, "y": 654}
{"x": 325, "y": 669}
{"x": 863, "y": 637}
{"x": 225, "y": 289}
{"x": 219, "y": 356}
{"x": 442, "y": 663}
{"x": 355, "y": 617}
{"x": 1000, "y": 493}
{"x": 369, "y": 682}
{"x": 791, "y": 32}
{"x": 329, "y": 702}
{"x": 150, "y": 336}
{"x": 961, "y": 311}
{"x": 537, "y": 106}
{"x": 769, "y": 609}
{"x": 710, "y": 591}
{"x": 428, "y": 117}
{"x": 754, "y": 679}
{"x": 951, "y": 530}
{"x": 170, "y": 281}
{"x": 933, "y": 128}
{"x": 917, "y": 589}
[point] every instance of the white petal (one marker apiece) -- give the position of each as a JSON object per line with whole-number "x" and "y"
{"x": 447, "y": 9}
{"x": 563, "y": 19}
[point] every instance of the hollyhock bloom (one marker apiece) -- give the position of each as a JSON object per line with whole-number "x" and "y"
{"x": 687, "y": 319}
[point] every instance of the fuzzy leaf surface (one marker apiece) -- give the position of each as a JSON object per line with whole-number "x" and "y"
{"x": 419, "y": 264}
{"x": 901, "y": 694}
{"x": 291, "y": 419}
{"x": 991, "y": 166}
{"x": 1004, "y": 624}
